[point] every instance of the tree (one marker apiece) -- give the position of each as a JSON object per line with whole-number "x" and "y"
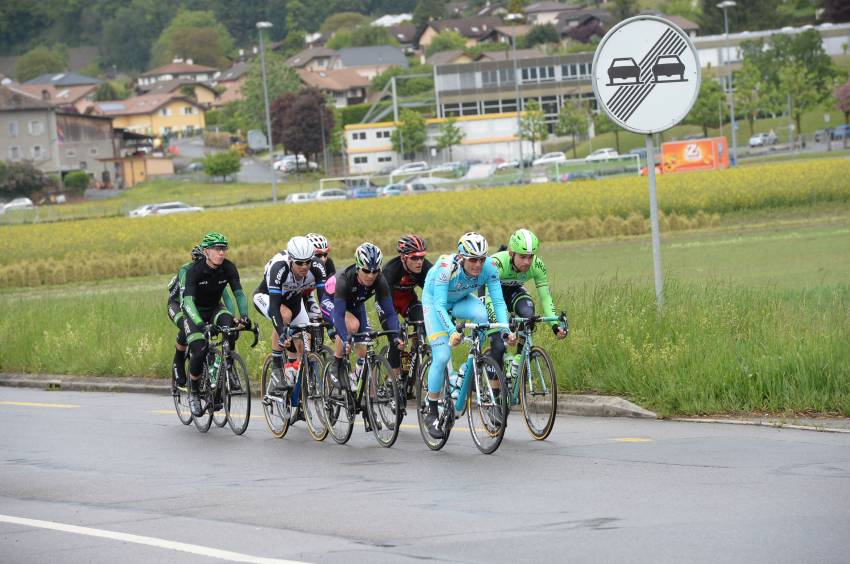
{"x": 532, "y": 125}
{"x": 77, "y": 181}
{"x": 343, "y": 20}
{"x": 797, "y": 84}
{"x": 407, "y": 86}
{"x": 450, "y": 135}
{"x": 572, "y": 121}
{"x": 684, "y": 8}
{"x": 363, "y": 36}
{"x": 835, "y": 11}
{"x": 105, "y": 91}
{"x": 409, "y": 135}
{"x": 752, "y": 94}
{"x": 445, "y": 41}
{"x": 540, "y": 35}
{"x": 624, "y": 9}
{"x": 41, "y": 60}
{"x": 603, "y": 124}
{"x": 705, "y": 110}
{"x": 200, "y": 25}
{"x": 289, "y": 114}
{"x": 428, "y": 10}
{"x": 281, "y": 78}
{"x": 842, "y": 100}
{"x": 755, "y": 15}
{"x": 223, "y": 164}
{"x": 127, "y": 37}
{"x": 516, "y": 6}
{"x": 21, "y": 178}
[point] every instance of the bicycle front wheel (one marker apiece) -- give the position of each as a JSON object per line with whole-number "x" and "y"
{"x": 382, "y": 403}
{"x": 539, "y": 393}
{"x": 311, "y": 396}
{"x": 487, "y": 405}
{"x": 219, "y": 413}
{"x": 338, "y": 404}
{"x": 446, "y": 410}
{"x": 237, "y": 396}
{"x": 204, "y": 421}
{"x": 276, "y": 408}
{"x": 181, "y": 401}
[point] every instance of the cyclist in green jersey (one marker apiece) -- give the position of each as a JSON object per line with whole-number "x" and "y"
{"x": 516, "y": 265}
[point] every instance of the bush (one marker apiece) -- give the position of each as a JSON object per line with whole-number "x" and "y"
{"x": 222, "y": 164}
{"x": 21, "y": 179}
{"x": 77, "y": 181}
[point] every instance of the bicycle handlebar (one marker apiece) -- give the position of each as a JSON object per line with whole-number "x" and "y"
{"x": 211, "y": 330}
{"x": 371, "y": 335}
{"x": 461, "y": 325}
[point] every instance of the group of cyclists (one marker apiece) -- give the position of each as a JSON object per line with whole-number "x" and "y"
{"x": 300, "y": 284}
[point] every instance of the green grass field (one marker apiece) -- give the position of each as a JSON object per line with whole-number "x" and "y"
{"x": 756, "y": 318}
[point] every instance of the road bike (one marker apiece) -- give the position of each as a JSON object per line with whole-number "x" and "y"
{"x": 372, "y": 392}
{"x": 304, "y": 399}
{"x": 224, "y": 380}
{"x": 485, "y": 405}
{"x": 414, "y": 355}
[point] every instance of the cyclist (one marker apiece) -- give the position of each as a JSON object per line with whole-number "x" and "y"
{"x": 316, "y": 306}
{"x": 403, "y": 273}
{"x": 352, "y": 288}
{"x": 206, "y": 281}
{"x": 322, "y": 252}
{"x": 279, "y": 297}
{"x": 449, "y": 292}
{"x": 516, "y": 266}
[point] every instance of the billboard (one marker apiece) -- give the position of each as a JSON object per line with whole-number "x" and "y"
{"x": 694, "y": 154}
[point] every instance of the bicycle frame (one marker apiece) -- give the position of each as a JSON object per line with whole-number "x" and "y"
{"x": 523, "y": 332}
{"x": 474, "y": 355}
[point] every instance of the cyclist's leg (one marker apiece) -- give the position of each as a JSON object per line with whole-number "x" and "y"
{"x": 178, "y": 364}
{"x": 352, "y": 325}
{"x": 261, "y": 304}
{"x": 472, "y": 309}
{"x": 197, "y": 349}
{"x": 523, "y": 305}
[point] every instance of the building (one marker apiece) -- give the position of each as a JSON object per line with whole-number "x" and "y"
{"x": 154, "y": 114}
{"x": 346, "y": 86}
{"x": 369, "y": 146}
{"x": 175, "y": 70}
{"x": 405, "y": 34}
{"x": 203, "y": 93}
{"x": 475, "y": 30}
{"x": 231, "y": 81}
{"x": 461, "y": 57}
{"x": 369, "y": 61}
{"x": 509, "y": 33}
{"x": 74, "y": 98}
{"x": 312, "y": 59}
{"x": 64, "y": 80}
{"x": 542, "y": 13}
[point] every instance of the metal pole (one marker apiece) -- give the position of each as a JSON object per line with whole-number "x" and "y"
{"x": 324, "y": 148}
{"x": 517, "y": 79}
{"x": 268, "y": 118}
{"x": 653, "y": 219}
{"x": 395, "y": 119}
{"x": 731, "y": 92}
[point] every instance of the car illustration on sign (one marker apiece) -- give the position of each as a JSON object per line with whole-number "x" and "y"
{"x": 668, "y": 66}
{"x": 624, "y": 69}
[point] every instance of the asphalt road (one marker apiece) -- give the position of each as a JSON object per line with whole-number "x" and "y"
{"x": 97, "y": 477}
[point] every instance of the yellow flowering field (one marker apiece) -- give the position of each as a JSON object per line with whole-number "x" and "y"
{"x": 124, "y": 247}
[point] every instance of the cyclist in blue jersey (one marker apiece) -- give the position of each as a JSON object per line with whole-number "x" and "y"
{"x": 449, "y": 291}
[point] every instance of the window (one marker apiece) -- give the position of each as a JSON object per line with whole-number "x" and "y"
{"x": 93, "y": 151}
{"x": 361, "y": 135}
{"x": 569, "y": 71}
{"x": 509, "y": 105}
{"x": 83, "y": 165}
{"x": 547, "y": 74}
{"x": 583, "y": 69}
{"x": 385, "y": 134}
{"x": 165, "y": 112}
{"x": 490, "y": 78}
{"x": 70, "y": 153}
{"x": 491, "y": 107}
{"x": 506, "y": 76}
{"x": 361, "y": 160}
{"x": 385, "y": 159}
{"x": 14, "y": 153}
{"x": 467, "y": 80}
{"x": 37, "y": 152}
{"x": 470, "y": 108}
{"x": 188, "y": 110}
{"x": 13, "y": 129}
{"x": 451, "y": 110}
{"x": 529, "y": 74}
{"x": 36, "y": 127}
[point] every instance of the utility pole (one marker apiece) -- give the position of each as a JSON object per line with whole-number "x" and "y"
{"x": 260, "y": 27}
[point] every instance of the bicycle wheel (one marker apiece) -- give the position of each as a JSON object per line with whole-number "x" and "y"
{"x": 338, "y": 404}
{"x": 219, "y": 412}
{"x": 204, "y": 421}
{"x": 237, "y": 404}
{"x": 539, "y": 393}
{"x": 486, "y": 411}
{"x": 181, "y": 401}
{"x": 382, "y": 403}
{"x": 422, "y": 408}
{"x": 276, "y": 408}
{"x": 311, "y": 396}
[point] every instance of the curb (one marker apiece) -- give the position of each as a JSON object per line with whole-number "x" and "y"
{"x": 776, "y": 424}
{"x": 581, "y": 405}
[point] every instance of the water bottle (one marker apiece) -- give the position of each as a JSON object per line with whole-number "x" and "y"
{"x": 358, "y": 372}
{"x": 405, "y": 362}
{"x": 456, "y": 381}
{"x": 516, "y": 361}
{"x": 214, "y": 370}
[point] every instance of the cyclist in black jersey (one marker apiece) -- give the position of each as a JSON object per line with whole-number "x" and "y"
{"x": 175, "y": 314}
{"x": 280, "y": 298}
{"x": 313, "y": 302}
{"x": 206, "y": 281}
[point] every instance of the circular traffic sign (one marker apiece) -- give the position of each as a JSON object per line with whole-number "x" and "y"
{"x": 646, "y": 74}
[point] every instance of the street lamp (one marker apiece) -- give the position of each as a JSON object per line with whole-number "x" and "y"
{"x": 724, "y": 6}
{"x": 513, "y": 18}
{"x": 260, "y": 27}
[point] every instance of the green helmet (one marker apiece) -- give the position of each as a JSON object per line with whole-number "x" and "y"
{"x": 213, "y": 239}
{"x": 524, "y": 242}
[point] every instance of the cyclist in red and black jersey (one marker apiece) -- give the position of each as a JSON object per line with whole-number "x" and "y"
{"x": 403, "y": 274}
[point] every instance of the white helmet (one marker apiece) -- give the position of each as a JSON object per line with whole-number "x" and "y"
{"x": 472, "y": 244}
{"x": 299, "y": 248}
{"x": 320, "y": 242}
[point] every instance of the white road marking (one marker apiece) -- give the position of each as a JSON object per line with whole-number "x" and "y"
{"x": 149, "y": 541}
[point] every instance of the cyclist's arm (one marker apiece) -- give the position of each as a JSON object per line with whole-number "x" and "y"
{"x": 229, "y": 303}
{"x": 440, "y": 295}
{"x": 340, "y": 307}
{"x": 541, "y": 281}
{"x": 189, "y": 298}
{"x": 384, "y": 302}
{"x": 494, "y": 288}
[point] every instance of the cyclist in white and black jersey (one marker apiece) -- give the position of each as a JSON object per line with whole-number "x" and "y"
{"x": 279, "y": 297}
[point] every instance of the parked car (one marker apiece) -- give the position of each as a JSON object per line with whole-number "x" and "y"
{"x": 17, "y": 204}
{"x": 841, "y": 131}
{"x": 454, "y": 167}
{"x": 822, "y": 135}
{"x": 165, "y": 208}
{"x": 550, "y": 158}
{"x": 763, "y": 139}
{"x": 507, "y": 164}
{"x": 331, "y": 194}
{"x": 298, "y": 198}
{"x": 141, "y": 210}
{"x": 602, "y": 154}
{"x": 362, "y": 192}
{"x": 624, "y": 69}
{"x": 417, "y": 187}
{"x": 391, "y": 190}
{"x": 289, "y": 163}
{"x": 668, "y": 65}
{"x": 418, "y": 166}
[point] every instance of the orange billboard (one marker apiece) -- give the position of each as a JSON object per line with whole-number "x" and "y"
{"x": 694, "y": 154}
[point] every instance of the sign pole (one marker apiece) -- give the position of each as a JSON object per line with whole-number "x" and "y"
{"x": 653, "y": 220}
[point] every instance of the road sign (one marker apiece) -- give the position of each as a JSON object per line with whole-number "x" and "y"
{"x": 646, "y": 74}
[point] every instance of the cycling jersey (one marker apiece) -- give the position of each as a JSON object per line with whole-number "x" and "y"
{"x": 351, "y": 295}
{"x": 281, "y": 286}
{"x": 205, "y": 286}
{"x": 512, "y": 280}
{"x": 403, "y": 283}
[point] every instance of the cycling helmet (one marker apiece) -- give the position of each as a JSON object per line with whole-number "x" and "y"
{"x": 412, "y": 245}
{"x": 524, "y": 242}
{"x": 213, "y": 239}
{"x": 320, "y": 243}
{"x": 472, "y": 244}
{"x": 197, "y": 253}
{"x": 299, "y": 248}
{"x": 368, "y": 256}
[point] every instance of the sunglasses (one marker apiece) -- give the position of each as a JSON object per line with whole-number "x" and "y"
{"x": 320, "y": 255}
{"x": 367, "y": 271}
{"x": 416, "y": 258}
{"x": 476, "y": 259}
{"x": 302, "y": 262}
{"x": 219, "y": 248}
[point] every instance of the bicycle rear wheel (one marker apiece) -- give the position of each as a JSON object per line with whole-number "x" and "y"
{"x": 237, "y": 404}
{"x": 486, "y": 411}
{"x": 181, "y": 401}
{"x": 276, "y": 407}
{"x": 311, "y": 396}
{"x": 382, "y": 403}
{"x": 422, "y": 408}
{"x": 539, "y": 393}
{"x": 204, "y": 421}
{"x": 220, "y": 414}
{"x": 338, "y": 404}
